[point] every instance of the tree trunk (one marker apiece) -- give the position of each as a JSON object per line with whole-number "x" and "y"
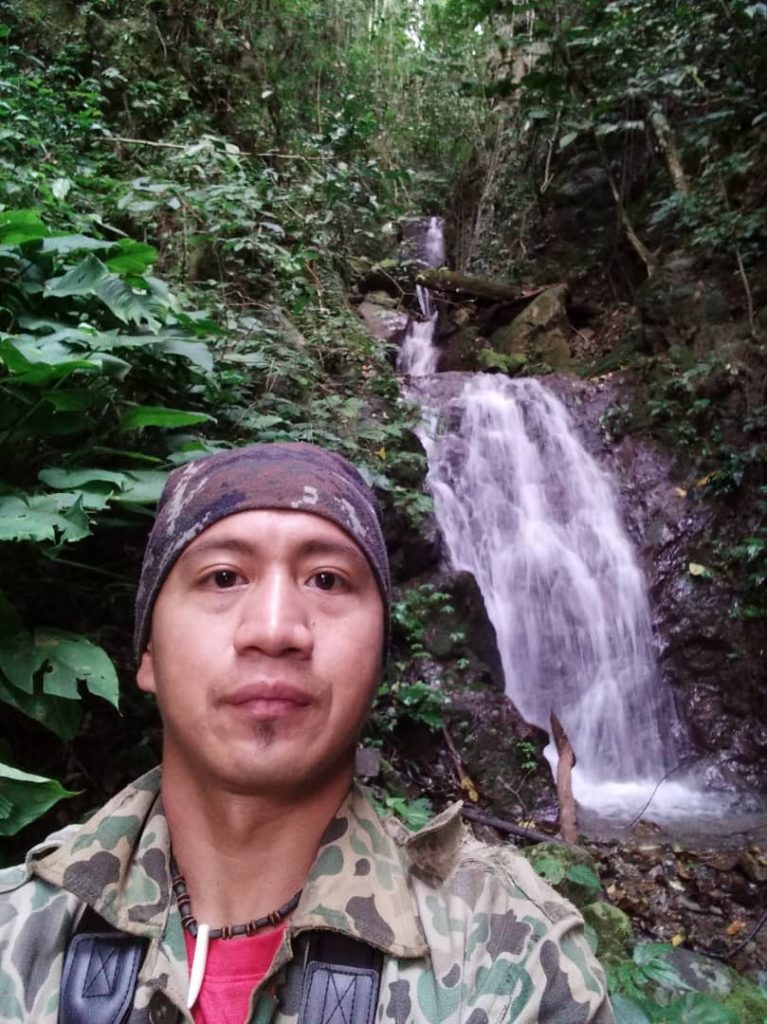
{"x": 568, "y": 825}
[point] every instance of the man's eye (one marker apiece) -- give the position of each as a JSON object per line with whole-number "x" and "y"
{"x": 224, "y": 578}
{"x": 326, "y": 580}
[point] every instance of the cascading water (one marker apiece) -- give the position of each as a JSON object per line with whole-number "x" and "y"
{"x": 418, "y": 355}
{"x": 525, "y": 508}
{"x": 433, "y": 256}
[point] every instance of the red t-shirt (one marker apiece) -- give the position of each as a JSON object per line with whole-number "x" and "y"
{"x": 233, "y": 969}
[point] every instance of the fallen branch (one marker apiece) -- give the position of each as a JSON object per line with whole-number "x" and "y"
{"x": 533, "y": 835}
{"x": 178, "y": 145}
{"x": 143, "y": 142}
{"x": 658, "y": 784}
{"x": 667, "y": 143}
{"x": 742, "y": 945}
{"x": 467, "y": 284}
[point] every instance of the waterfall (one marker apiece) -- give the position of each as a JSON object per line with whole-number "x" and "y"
{"x": 525, "y": 508}
{"x": 433, "y": 256}
{"x": 418, "y": 355}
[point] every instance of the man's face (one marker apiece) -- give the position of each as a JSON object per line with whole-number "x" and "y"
{"x": 265, "y": 649}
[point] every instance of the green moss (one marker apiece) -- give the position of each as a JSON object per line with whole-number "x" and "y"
{"x": 570, "y": 869}
{"x": 612, "y": 928}
{"x": 747, "y": 1001}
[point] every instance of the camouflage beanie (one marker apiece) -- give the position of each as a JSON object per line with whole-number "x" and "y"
{"x": 282, "y": 475}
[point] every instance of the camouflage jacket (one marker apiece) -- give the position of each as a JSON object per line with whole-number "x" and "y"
{"x": 469, "y": 932}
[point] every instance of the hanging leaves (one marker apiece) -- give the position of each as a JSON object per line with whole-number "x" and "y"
{"x": 24, "y": 797}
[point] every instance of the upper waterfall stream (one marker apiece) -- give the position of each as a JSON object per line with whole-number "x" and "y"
{"x": 418, "y": 355}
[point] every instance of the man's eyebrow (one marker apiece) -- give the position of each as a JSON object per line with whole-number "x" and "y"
{"x": 315, "y": 547}
{"x": 201, "y": 547}
{"x": 332, "y": 547}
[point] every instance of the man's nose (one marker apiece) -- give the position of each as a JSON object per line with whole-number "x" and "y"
{"x": 274, "y": 616}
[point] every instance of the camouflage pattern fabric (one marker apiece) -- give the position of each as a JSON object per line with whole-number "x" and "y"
{"x": 471, "y": 934}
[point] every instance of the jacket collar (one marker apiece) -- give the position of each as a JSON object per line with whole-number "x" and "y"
{"x": 118, "y": 863}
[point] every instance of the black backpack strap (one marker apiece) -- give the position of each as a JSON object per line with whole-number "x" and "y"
{"x": 341, "y": 976}
{"x": 100, "y": 971}
{"x": 341, "y": 981}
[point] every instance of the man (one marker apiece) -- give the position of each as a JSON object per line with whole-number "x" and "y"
{"x": 262, "y": 620}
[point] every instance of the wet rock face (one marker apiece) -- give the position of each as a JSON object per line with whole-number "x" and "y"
{"x": 683, "y": 305}
{"x": 381, "y": 320}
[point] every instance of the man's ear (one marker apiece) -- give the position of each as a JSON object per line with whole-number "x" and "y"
{"x": 145, "y": 675}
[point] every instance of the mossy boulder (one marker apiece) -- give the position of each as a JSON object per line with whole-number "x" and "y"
{"x": 612, "y": 928}
{"x": 499, "y": 362}
{"x": 570, "y": 869}
{"x": 462, "y": 350}
{"x": 705, "y": 976}
{"x": 541, "y": 332}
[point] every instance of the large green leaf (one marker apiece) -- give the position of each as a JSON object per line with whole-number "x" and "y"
{"x": 35, "y": 362}
{"x": 57, "y": 714}
{"x": 51, "y": 349}
{"x": 73, "y": 399}
{"x": 627, "y": 1012}
{"x": 39, "y": 361}
{"x": 74, "y": 243}
{"x": 583, "y": 875}
{"x": 72, "y": 479}
{"x": 128, "y": 304}
{"x": 160, "y": 292}
{"x": 19, "y": 226}
{"x": 99, "y": 487}
{"x": 24, "y": 797}
{"x": 157, "y": 416}
{"x": 133, "y": 257}
{"x": 195, "y": 351}
{"x": 61, "y": 660}
{"x": 19, "y": 661}
{"x": 80, "y": 280}
{"x": 142, "y": 487}
{"x": 83, "y": 335}
{"x": 43, "y": 517}
{"x": 70, "y": 659}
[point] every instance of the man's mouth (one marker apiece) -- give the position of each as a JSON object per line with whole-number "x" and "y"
{"x": 268, "y": 699}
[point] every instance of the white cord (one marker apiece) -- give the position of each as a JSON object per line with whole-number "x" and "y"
{"x": 198, "y": 966}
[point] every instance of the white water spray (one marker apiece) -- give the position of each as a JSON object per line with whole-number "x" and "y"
{"x": 419, "y": 355}
{"x": 525, "y": 508}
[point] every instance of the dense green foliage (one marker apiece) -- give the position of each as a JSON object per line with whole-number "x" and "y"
{"x": 123, "y": 166}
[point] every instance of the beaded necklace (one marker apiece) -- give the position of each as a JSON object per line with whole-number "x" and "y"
{"x": 227, "y": 931}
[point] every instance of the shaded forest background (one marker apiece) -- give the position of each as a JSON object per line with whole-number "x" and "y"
{"x": 190, "y": 195}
